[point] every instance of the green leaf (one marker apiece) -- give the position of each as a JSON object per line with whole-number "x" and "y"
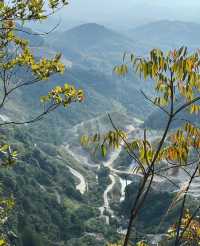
{"x": 103, "y": 150}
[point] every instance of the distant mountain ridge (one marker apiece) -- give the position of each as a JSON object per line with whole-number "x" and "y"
{"x": 168, "y": 34}
{"x": 92, "y": 28}
{"x": 91, "y": 34}
{"x": 93, "y": 39}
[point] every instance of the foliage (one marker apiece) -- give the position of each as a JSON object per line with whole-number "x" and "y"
{"x": 16, "y": 58}
{"x": 175, "y": 75}
{"x": 9, "y": 156}
{"x": 24, "y": 10}
{"x": 6, "y": 205}
{"x": 141, "y": 243}
{"x": 112, "y": 139}
{"x": 63, "y": 95}
{"x": 15, "y": 54}
{"x": 190, "y": 229}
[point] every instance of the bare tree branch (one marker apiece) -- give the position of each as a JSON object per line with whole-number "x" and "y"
{"x": 150, "y": 100}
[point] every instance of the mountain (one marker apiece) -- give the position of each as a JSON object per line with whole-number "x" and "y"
{"x": 93, "y": 51}
{"x": 35, "y": 40}
{"x": 93, "y": 45}
{"x": 117, "y": 92}
{"x": 91, "y": 35}
{"x": 168, "y": 34}
{"x": 158, "y": 119}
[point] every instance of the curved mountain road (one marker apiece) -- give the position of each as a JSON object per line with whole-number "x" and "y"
{"x": 82, "y": 186}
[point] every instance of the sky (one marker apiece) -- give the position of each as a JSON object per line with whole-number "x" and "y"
{"x": 130, "y": 12}
{"x": 126, "y": 14}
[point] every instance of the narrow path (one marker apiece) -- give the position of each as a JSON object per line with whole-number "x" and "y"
{"x": 82, "y": 186}
{"x": 58, "y": 197}
{"x": 83, "y": 158}
{"x": 42, "y": 187}
{"x": 124, "y": 184}
{"x": 106, "y": 205}
{"x": 113, "y": 174}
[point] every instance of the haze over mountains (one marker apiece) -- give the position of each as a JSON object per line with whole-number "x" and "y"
{"x": 94, "y": 50}
{"x": 92, "y": 37}
{"x": 125, "y": 15}
{"x": 168, "y": 34}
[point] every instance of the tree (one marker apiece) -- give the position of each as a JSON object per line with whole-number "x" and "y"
{"x": 16, "y": 58}
{"x": 177, "y": 86}
{"x": 190, "y": 229}
{"x": 30, "y": 238}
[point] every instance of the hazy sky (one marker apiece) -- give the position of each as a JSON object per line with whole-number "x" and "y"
{"x": 127, "y": 13}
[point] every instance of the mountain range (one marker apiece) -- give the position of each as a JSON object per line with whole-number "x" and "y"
{"x": 167, "y": 34}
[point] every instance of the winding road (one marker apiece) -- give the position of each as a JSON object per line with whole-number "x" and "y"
{"x": 115, "y": 174}
{"x": 123, "y": 183}
{"x": 80, "y": 156}
{"x": 106, "y": 205}
{"x": 82, "y": 186}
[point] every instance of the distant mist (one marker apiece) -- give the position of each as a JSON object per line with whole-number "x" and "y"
{"x": 126, "y": 14}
